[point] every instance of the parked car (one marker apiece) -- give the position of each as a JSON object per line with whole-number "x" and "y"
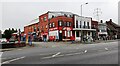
{"x": 3, "y": 40}
{"x": 11, "y": 40}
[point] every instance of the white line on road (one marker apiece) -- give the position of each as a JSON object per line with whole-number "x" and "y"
{"x": 106, "y": 49}
{"x": 56, "y": 54}
{"x": 85, "y": 51}
{"x": 0, "y": 57}
{"x": 47, "y": 57}
{"x": 47, "y": 54}
{"x": 19, "y": 49}
{"x": 51, "y": 56}
{"x": 13, "y": 60}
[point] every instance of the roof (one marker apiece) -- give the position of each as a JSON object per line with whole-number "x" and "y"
{"x": 59, "y": 12}
{"x": 110, "y": 27}
{"x": 34, "y": 21}
{"x": 82, "y": 16}
{"x": 66, "y": 12}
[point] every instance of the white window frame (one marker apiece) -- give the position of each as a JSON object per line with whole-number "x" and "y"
{"x": 68, "y": 33}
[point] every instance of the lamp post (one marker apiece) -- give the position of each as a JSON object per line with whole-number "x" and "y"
{"x": 81, "y": 21}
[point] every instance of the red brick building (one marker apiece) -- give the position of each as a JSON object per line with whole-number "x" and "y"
{"x": 43, "y": 21}
{"x": 32, "y": 29}
{"x": 94, "y": 25}
{"x": 49, "y": 25}
{"x": 113, "y": 29}
{"x": 61, "y": 28}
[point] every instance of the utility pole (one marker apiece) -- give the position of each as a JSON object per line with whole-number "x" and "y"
{"x": 97, "y": 13}
{"x": 81, "y": 21}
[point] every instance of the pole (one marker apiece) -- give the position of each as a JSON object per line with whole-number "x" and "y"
{"x": 81, "y": 22}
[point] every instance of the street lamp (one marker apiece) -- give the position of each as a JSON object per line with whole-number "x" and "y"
{"x": 81, "y": 21}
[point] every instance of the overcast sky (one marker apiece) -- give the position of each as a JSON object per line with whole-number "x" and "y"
{"x": 16, "y": 13}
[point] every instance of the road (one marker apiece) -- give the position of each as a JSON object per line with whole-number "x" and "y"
{"x": 101, "y": 53}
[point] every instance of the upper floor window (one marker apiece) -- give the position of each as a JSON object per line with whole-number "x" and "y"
{"x": 45, "y": 18}
{"x": 76, "y": 23}
{"x": 53, "y": 24}
{"x": 38, "y": 29}
{"x": 84, "y": 24}
{"x": 53, "y": 16}
{"x": 88, "y": 25}
{"x": 50, "y": 25}
{"x": 67, "y": 24}
{"x": 60, "y": 23}
{"x": 65, "y": 15}
{"x": 46, "y": 26}
{"x": 80, "y": 24}
{"x": 34, "y": 28}
{"x": 70, "y": 15}
{"x": 70, "y": 23}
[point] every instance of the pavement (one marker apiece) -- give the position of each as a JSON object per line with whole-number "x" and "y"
{"x": 54, "y": 44}
{"x": 64, "y": 53}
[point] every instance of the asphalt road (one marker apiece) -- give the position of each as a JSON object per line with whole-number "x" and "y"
{"x": 102, "y": 53}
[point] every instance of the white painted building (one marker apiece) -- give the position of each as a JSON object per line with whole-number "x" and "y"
{"x": 102, "y": 27}
{"x": 82, "y": 27}
{"x": 52, "y": 14}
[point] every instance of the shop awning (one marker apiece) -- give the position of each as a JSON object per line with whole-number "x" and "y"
{"x": 84, "y": 29}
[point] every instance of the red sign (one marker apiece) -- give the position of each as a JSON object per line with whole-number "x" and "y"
{"x": 45, "y": 33}
{"x": 67, "y": 28}
{"x": 52, "y": 29}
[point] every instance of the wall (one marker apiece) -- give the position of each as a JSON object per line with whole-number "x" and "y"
{"x": 86, "y": 19}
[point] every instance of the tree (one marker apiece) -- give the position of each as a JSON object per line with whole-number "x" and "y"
{"x": 8, "y": 34}
{"x": 13, "y": 30}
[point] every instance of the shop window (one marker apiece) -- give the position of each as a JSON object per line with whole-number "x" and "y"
{"x": 88, "y": 33}
{"x": 68, "y": 33}
{"x": 77, "y": 33}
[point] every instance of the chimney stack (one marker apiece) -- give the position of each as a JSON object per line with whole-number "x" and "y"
{"x": 101, "y": 21}
{"x": 110, "y": 20}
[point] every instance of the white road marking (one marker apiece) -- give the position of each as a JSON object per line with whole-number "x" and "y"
{"x": 13, "y": 60}
{"x": 19, "y": 49}
{"x": 70, "y": 54}
{"x": 85, "y": 51}
{"x": 46, "y": 54}
{"x": 56, "y": 54}
{"x": 0, "y": 57}
{"x": 106, "y": 49}
{"x": 47, "y": 57}
{"x": 60, "y": 55}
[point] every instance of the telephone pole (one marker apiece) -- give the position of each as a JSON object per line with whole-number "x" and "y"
{"x": 97, "y": 13}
